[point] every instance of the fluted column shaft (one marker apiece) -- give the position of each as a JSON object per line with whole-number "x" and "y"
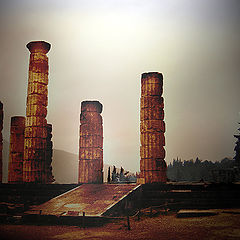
{"x": 91, "y": 143}
{"x": 16, "y": 150}
{"x": 34, "y": 165}
{"x": 152, "y": 128}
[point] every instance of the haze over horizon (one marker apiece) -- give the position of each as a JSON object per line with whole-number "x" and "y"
{"x": 99, "y": 49}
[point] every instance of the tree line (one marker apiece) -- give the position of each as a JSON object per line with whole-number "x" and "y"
{"x": 198, "y": 170}
{"x": 187, "y": 170}
{"x": 120, "y": 177}
{"x": 227, "y": 169}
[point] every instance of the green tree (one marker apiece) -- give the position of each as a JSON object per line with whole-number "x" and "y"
{"x": 109, "y": 177}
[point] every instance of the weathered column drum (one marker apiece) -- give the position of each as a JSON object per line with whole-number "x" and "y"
{"x": 1, "y": 138}
{"x": 34, "y": 165}
{"x": 91, "y": 143}
{"x": 152, "y": 127}
{"x": 16, "y": 150}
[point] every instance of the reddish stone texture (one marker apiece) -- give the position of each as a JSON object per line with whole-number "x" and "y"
{"x": 93, "y": 199}
{"x": 1, "y": 138}
{"x": 16, "y": 150}
{"x": 91, "y": 143}
{"x": 152, "y": 127}
{"x": 35, "y": 144}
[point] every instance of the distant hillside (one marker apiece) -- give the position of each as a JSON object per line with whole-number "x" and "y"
{"x": 64, "y": 164}
{"x": 65, "y": 167}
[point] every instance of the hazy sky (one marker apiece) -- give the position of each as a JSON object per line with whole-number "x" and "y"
{"x": 99, "y": 50}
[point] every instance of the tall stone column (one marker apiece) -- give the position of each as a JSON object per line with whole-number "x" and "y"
{"x": 152, "y": 127}
{"x": 91, "y": 143}
{"x": 1, "y": 138}
{"x": 16, "y": 150}
{"x": 34, "y": 165}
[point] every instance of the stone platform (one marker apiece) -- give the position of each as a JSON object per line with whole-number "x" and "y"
{"x": 186, "y": 213}
{"x": 92, "y": 199}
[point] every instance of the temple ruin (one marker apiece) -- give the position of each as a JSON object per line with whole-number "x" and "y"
{"x": 152, "y": 127}
{"x": 1, "y": 138}
{"x": 35, "y": 143}
{"x": 16, "y": 150}
{"x": 91, "y": 143}
{"x": 31, "y": 145}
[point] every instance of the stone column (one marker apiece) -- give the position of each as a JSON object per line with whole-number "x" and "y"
{"x": 34, "y": 165}
{"x": 91, "y": 143}
{"x": 49, "y": 154}
{"x": 152, "y": 127}
{"x": 16, "y": 150}
{"x": 1, "y": 139}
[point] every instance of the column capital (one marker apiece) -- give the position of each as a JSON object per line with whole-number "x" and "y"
{"x": 152, "y": 78}
{"x": 91, "y": 106}
{"x": 152, "y": 74}
{"x": 38, "y": 46}
{"x": 18, "y": 121}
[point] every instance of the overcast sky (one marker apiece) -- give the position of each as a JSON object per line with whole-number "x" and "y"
{"x": 100, "y": 48}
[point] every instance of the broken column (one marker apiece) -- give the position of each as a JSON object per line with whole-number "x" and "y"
{"x": 1, "y": 139}
{"x": 49, "y": 154}
{"x": 34, "y": 165}
{"x": 16, "y": 150}
{"x": 152, "y": 127}
{"x": 91, "y": 143}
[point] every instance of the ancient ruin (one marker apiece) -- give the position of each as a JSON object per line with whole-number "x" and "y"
{"x": 152, "y": 127}
{"x": 91, "y": 143}
{"x": 31, "y": 153}
{"x": 16, "y": 150}
{"x": 35, "y": 143}
{"x": 1, "y": 138}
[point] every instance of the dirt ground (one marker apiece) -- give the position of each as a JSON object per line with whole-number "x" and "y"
{"x": 224, "y": 226}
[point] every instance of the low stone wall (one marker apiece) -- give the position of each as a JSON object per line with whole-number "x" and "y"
{"x": 127, "y": 205}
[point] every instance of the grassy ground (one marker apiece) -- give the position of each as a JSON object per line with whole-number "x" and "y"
{"x": 224, "y": 226}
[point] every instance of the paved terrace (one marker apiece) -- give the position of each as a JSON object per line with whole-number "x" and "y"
{"x": 93, "y": 199}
